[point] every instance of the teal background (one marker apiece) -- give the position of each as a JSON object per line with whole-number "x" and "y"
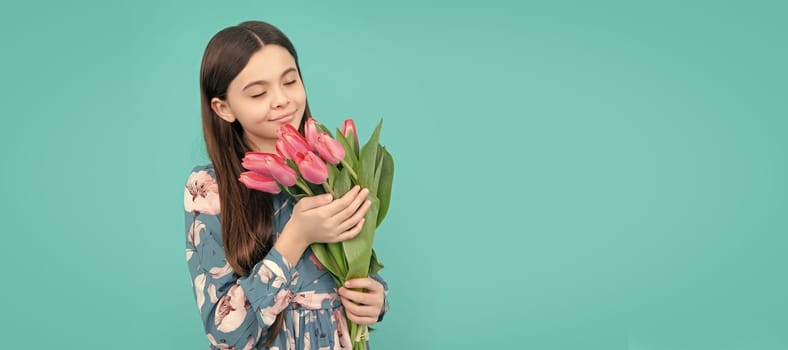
{"x": 570, "y": 174}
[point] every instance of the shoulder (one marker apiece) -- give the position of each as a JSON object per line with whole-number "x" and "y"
{"x": 201, "y": 174}
{"x": 204, "y": 168}
{"x": 201, "y": 193}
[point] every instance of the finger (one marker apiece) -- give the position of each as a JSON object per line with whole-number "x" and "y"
{"x": 356, "y": 296}
{"x": 348, "y": 211}
{"x": 347, "y": 224}
{"x": 367, "y": 321}
{"x": 338, "y": 204}
{"x": 360, "y": 310}
{"x": 365, "y": 282}
{"x": 313, "y": 202}
{"x": 344, "y": 236}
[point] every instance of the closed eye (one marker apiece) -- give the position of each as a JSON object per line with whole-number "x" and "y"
{"x": 290, "y": 82}
{"x": 258, "y": 95}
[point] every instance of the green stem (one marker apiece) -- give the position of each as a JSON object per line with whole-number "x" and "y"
{"x": 328, "y": 189}
{"x": 304, "y": 187}
{"x": 350, "y": 170}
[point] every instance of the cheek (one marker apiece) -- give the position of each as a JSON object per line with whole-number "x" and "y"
{"x": 300, "y": 99}
{"x": 253, "y": 112}
{"x": 299, "y": 96}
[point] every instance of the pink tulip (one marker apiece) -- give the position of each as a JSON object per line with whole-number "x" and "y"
{"x": 310, "y": 130}
{"x": 270, "y": 165}
{"x": 259, "y": 182}
{"x": 312, "y": 168}
{"x": 349, "y": 126}
{"x": 281, "y": 149}
{"x": 292, "y": 142}
{"x": 331, "y": 150}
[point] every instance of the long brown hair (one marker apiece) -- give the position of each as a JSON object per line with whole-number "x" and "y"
{"x": 246, "y": 215}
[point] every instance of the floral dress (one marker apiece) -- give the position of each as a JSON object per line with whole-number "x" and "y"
{"x": 237, "y": 311}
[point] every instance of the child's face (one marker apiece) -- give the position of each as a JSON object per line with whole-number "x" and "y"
{"x": 265, "y": 95}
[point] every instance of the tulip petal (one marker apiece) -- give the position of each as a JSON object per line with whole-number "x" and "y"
{"x": 259, "y": 182}
{"x": 312, "y": 168}
{"x": 349, "y": 131}
{"x": 271, "y": 165}
{"x": 292, "y": 141}
{"x": 310, "y": 130}
{"x": 330, "y": 150}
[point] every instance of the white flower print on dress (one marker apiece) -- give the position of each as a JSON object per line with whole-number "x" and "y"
{"x": 199, "y": 290}
{"x": 264, "y": 274}
{"x": 201, "y": 194}
{"x": 282, "y": 299}
{"x": 277, "y": 271}
{"x": 219, "y": 272}
{"x": 231, "y": 310}
{"x": 212, "y": 293}
{"x": 342, "y": 335}
{"x": 193, "y": 237}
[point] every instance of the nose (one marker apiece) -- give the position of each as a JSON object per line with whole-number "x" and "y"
{"x": 279, "y": 99}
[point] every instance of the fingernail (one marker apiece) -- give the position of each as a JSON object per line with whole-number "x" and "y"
{"x": 347, "y": 284}
{"x": 328, "y": 198}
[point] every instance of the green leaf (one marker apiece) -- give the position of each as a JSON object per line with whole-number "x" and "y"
{"x": 384, "y": 184}
{"x": 351, "y": 139}
{"x": 292, "y": 164}
{"x": 332, "y": 174}
{"x": 376, "y": 178}
{"x": 342, "y": 183}
{"x": 335, "y": 249}
{"x": 359, "y": 249}
{"x": 350, "y": 157}
{"x": 366, "y": 170}
{"x": 321, "y": 253}
{"x": 322, "y": 128}
{"x": 374, "y": 265}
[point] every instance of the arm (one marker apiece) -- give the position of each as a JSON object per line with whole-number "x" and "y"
{"x": 234, "y": 311}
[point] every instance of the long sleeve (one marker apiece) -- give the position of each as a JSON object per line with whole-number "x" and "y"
{"x": 234, "y": 311}
{"x": 386, "y": 295}
{"x": 237, "y": 312}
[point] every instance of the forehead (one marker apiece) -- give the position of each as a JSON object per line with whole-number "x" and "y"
{"x": 266, "y": 64}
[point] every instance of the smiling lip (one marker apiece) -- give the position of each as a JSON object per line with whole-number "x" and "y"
{"x": 282, "y": 118}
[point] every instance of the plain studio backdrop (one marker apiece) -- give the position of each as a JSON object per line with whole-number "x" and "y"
{"x": 569, "y": 174}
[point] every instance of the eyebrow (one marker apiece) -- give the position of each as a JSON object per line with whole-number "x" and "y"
{"x": 263, "y": 82}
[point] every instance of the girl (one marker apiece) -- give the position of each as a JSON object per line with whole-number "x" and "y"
{"x": 257, "y": 283}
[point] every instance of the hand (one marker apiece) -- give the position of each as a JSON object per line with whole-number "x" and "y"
{"x": 321, "y": 219}
{"x": 362, "y": 307}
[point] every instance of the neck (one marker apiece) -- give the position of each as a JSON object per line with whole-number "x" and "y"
{"x": 261, "y": 145}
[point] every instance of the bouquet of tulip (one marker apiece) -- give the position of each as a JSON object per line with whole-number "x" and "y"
{"x": 341, "y": 164}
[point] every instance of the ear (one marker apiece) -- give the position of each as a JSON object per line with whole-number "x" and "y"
{"x": 221, "y": 109}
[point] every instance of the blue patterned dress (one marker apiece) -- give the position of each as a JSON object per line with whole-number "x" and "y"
{"x": 237, "y": 312}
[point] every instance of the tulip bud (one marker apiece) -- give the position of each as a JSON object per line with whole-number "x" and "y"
{"x": 292, "y": 142}
{"x": 259, "y": 182}
{"x": 312, "y": 168}
{"x": 282, "y": 150}
{"x": 310, "y": 130}
{"x": 329, "y": 149}
{"x": 270, "y": 165}
{"x": 349, "y": 126}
